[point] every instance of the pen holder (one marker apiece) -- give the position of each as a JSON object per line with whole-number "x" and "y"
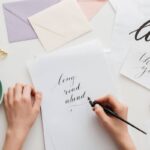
{"x": 1, "y": 92}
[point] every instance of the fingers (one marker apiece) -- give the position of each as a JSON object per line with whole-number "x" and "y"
{"x": 37, "y": 103}
{"x": 5, "y": 100}
{"x": 23, "y": 93}
{"x": 18, "y": 91}
{"x": 10, "y": 96}
{"x": 27, "y": 93}
{"x": 111, "y": 101}
{"x": 101, "y": 114}
{"x": 114, "y": 104}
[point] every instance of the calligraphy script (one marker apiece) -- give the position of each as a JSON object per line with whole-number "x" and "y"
{"x": 144, "y": 60}
{"x": 139, "y": 35}
{"x": 72, "y": 89}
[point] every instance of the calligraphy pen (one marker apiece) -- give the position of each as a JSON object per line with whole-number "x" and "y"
{"x": 114, "y": 114}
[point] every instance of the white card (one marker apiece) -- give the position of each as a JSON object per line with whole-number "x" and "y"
{"x": 132, "y": 36}
{"x": 66, "y": 81}
{"x": 137, "y": 65}
{"x": 114, "y": 4}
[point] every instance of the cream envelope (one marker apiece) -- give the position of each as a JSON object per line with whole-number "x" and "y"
{"x": 60, "y": 24}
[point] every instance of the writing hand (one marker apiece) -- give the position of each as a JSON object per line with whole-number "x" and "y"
{"x": 117, "y": 129}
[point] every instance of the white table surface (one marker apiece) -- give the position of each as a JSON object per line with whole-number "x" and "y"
{"x": 13, "y": 69}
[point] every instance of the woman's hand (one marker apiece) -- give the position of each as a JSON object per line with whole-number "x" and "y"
{"x": 117, "y": 129}
{"x": 22, "y": 106}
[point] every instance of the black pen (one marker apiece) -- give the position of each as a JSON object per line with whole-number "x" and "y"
{"x": 114, "y": 114}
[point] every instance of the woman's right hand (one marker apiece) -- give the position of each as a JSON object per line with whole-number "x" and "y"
{"x": 117, "y": 129}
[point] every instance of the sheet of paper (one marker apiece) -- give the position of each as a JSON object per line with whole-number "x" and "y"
{"x": 131, "y": 37}
{"x": 126, "y": 22}
{"x": 66, "y": 81}
{"x": 16, "y": 14}
{"x": 137, "y": 65}
{"x": 114, "y": 4}
{"x": 60, "y": 24}
{"x": 91, "y": 7}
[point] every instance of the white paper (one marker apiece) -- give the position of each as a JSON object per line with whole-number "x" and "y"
{"x": 131, "y": 37}
{"x": 137, "y": 65}
{"x": 70, "y": 124}
{"x": 114, "y": 4}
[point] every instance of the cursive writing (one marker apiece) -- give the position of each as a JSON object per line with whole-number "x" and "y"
{"x": 137, "y": 32}
{"x": 71, "y": 89}
{"x": 63, "y": 79}
{"x": 144, "y": 61}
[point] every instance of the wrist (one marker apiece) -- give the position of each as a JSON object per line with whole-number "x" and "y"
{"x": 17, "y": 133}
{"x": 14, "y": 139}
{"x": 125, "y": 143}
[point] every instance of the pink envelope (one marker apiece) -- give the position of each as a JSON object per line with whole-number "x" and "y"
{"x": 91, "y": 7}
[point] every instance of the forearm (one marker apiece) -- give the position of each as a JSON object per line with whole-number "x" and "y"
{"x": 14, "y": 140}
{"x": 126, "y": 143}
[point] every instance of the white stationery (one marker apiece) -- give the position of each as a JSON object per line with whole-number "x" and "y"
{"x": 131, "y": 40}
{"x": 65, "y": 81}
{"x": 137, "y": 65}
{"x": 114, "y": 4}
{"x": 60, "y": 24}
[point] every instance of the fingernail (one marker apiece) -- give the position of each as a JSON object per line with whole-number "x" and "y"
{"x": 97, "y": 106}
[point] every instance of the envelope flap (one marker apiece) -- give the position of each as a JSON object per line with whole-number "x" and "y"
{"x": 92, "y": 5}
{"x": 65, "y": 18}
{"x": 24, "y": 9}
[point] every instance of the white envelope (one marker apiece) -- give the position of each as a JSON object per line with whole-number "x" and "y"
{"x": 60, "y": 24}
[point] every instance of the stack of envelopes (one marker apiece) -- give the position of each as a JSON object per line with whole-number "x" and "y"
{"x": 53, "y": 22}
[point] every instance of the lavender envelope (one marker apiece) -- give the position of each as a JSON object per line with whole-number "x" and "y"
{"x": 16, "y": 14}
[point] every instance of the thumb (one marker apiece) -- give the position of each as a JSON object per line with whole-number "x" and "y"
{"x": 100, "y": 113}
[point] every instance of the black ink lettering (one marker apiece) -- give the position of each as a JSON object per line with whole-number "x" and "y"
{"x": 78, "y": 87}
{"x": 66, "y": 79}
{"x": 146, "y": 36}
{"x": 72, "y": 90}
{"x": 60, "y": 79}
{"x": 67, "y": 101}
{"x": 147, "y": 60}
{"x": 144, "y": 69}
{"x": 144, "y": 61}
{"x": 83, "y": 95}
{"x": 65, "y": 92}
{"x": 78, "y": 97}
{"x": 142, "y": 56}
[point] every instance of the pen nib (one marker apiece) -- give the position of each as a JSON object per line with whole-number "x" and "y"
{"x": 90, "y": 102}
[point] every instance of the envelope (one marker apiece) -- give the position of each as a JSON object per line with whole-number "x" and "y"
{"x": 16, "y": 14}
{"x": 91, "y": 7}
{"x": 60, "y": 24}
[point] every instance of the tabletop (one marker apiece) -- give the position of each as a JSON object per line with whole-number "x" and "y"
{"x": 13, "y": 69}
